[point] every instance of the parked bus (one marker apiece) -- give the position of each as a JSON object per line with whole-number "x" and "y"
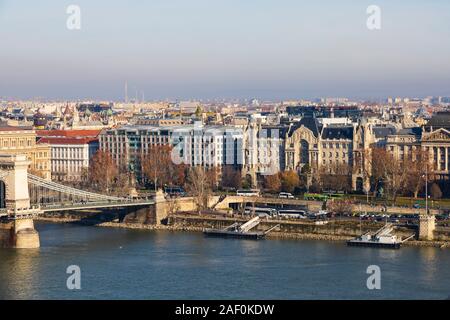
{"x": 262, "y": 212}
{"x": 248, "y": 193}
{"x": 297, "y": 214}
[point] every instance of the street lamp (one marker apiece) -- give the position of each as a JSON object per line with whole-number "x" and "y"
{"x": 367, "y": 190}
{"x": 426, "y": 189}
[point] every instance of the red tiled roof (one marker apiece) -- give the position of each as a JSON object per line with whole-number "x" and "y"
{"x": 66, "y": 140}
{"x": 68, "y": 133}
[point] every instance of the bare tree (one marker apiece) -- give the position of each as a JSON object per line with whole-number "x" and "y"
{"x": 338, "y": 177}
{"x": 419, "y": 166}
{"x": 378, "y": 166}
{"x": 231, "y": 177}
{"x": 272, "y": 183}
{"x": 198, "y": 185}
{"x": 158, "y": 167}
{"x": 289, "y": 181}
{"x": 340, "y": 207}
{"x": 342, "y": 177}
{"x": 435, "y": 191}
{"x": 391, "y": 172}
{"x": 212, "y": 175}
{"x": 396, "y": 177}
{"x": 103, "y": 171}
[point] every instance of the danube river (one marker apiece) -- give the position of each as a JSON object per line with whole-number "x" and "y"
{"x": 132, "y": 264}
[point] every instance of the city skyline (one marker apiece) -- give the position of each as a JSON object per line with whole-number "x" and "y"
{"x": 225, "y": 50}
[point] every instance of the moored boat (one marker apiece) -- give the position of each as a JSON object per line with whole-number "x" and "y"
{"x": 237, "y": 230}
{"x": 383, "y": 238}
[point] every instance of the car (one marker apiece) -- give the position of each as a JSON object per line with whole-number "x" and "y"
{"x": 285, "y": 195}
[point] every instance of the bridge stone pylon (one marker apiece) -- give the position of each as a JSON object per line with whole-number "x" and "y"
{"x": 15, "y": 201}
{"x": 13, "y": 173}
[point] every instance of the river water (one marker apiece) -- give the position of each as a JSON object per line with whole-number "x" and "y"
{"x": 134, "y": 264}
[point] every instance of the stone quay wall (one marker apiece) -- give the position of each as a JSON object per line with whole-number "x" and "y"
{"x": 333, "y": 230}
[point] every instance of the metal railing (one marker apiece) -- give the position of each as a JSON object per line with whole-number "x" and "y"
{"x": 35, "y": 180}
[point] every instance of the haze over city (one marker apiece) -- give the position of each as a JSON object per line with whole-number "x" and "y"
{"x": 224, "y": 49}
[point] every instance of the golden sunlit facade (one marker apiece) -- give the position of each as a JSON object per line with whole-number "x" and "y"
{"x": 18, "y": 140}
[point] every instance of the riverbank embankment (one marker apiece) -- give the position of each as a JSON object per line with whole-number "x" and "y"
{"x": 339, "y": 230}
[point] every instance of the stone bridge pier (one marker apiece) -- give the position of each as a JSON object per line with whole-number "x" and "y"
{"x": 17, "y": 227}
{"x": 427, "y": 225}
{"x": 154, "y": 214}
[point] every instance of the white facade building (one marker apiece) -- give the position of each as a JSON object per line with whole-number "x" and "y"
{"x": 71, "y": 151}
{"x": 193, "y": 145}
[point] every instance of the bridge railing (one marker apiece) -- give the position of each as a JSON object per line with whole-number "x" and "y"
{"x": 93, "y": 203}
{"x": 38, "y": 181}
{"x": 20, "y": 213}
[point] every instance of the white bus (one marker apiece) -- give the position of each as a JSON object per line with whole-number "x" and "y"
{"x": 261, "y": 212}
{"x": 297, "y": 214}
{"x": 248, "y": 193}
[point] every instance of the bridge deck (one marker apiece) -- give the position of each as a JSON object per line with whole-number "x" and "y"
{"x": 52, "y": 207}
{"x": 93, "y": 205}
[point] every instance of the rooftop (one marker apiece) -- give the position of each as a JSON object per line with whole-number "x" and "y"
{"x": 15, "y": 128}
{"x": 341, "y": 132}
{"x": 439, "y": 120}
{"x": 66, "y": 140}
{"x": 68, "y": 133}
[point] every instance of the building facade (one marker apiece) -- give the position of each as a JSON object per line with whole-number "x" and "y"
{"x": 71, "y": 152}
{"x": 313, "y": 148}
{"x": 22, "y": 140}
{"x": 193, "y": 145}
{"x": 433, "y": 139}
{"x": 263, "y": 150}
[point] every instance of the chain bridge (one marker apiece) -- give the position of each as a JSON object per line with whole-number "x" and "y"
{"x": 24, "y": 196}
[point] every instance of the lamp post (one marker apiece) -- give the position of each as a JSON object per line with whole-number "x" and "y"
{"x": 426, "y": 189}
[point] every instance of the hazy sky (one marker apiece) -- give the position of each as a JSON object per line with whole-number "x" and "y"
{"x": 270, "y": 49}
